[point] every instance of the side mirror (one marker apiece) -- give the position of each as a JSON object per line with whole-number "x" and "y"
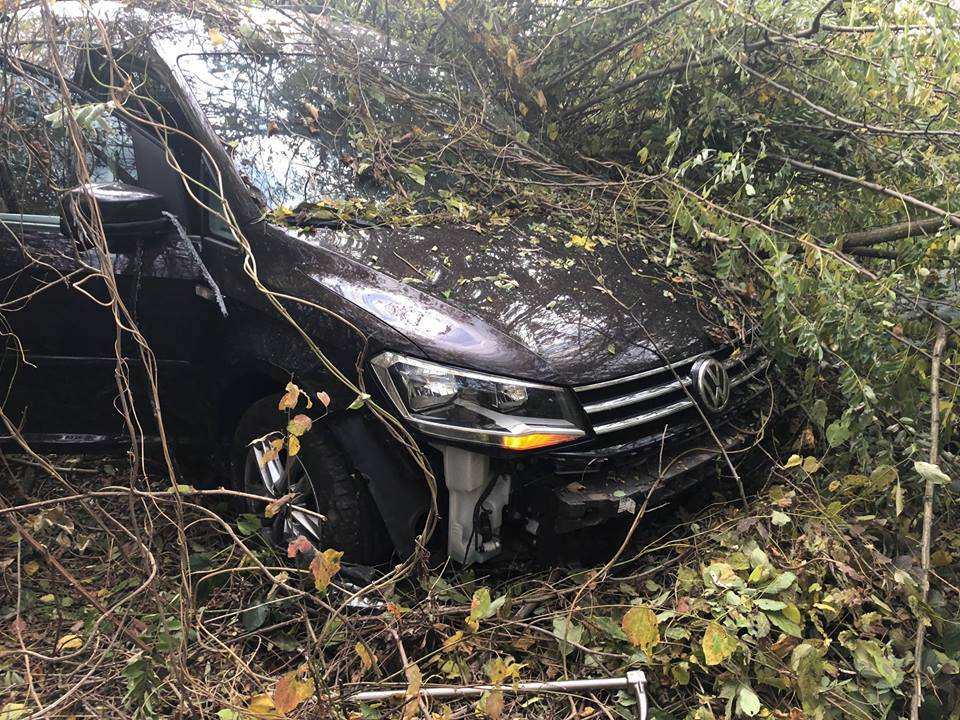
{"x": 128, "y": 213}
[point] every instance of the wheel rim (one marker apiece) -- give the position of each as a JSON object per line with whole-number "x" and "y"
{"x": 274, "y": 479}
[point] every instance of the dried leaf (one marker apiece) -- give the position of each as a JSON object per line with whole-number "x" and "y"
{"x": 293, "y": 445}
{"x": 367, "y": 658}
{"x": 324, "y": 567}
{"x": 290, "y": 397}
{"x": 215, "y": 37}
{"x": 411, "y": 705}
{"x": 640, "y": 627}
{"x": 451, "y": 642}
{"x": 491, "y": 704}
{"x": 300, "y": 545}
{"x": 299, "y": 424}
{"x": 324, "y": 398}
{"x": 274, "y": 507}
{"x": 291, "y": 691}
{"x": 312, "y": 110}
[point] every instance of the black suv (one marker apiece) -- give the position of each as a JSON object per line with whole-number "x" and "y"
{"x": 540, "y": 400}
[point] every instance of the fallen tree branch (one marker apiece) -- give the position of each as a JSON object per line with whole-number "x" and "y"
{"x": 952, "y": 218}
{"x": 890, "y": 233}
{"x": 938, "y": 348}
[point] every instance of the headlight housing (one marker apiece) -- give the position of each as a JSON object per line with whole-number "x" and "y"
{"x": 464, "y": 405}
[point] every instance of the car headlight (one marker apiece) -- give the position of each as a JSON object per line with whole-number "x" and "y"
{"x": 463, "y": 405}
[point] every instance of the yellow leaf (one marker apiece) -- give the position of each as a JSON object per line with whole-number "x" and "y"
{"x": 500, "y": 671}
{"x": 215, "y": 37}
{"x": 411, "y": 705}
{"x": 587, "y": 243}
{"x": 443, "y": 4}
{"x": 15, "y": 711}
{"x": 794, "y": 461}
{"x": 451, "y": 642}
{"x": 810, "y": 464}
{"x": 511, "y": 57}
{"x": 640, "y": 627}
{"x": 293, "y": 445}
{"x": 262, "y": 707}
{"x": 291, "y": 691}
{"x": 717, "y": 644}
{"x": 31, "y": 567}
{"x": 541, "y": 100}
{"x": 69, "y": 642}
{"x": 273, "y": 453}
{"x": 324, "y": 567}
{"x": 367, "y": 658}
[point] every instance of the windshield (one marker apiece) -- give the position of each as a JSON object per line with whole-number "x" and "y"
{"x": 302, "y": 133}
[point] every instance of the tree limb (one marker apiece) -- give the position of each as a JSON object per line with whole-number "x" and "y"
{"x": 890, "y": 233}
{"x": 952, "y": 218}
{"x": 938, "y": 347}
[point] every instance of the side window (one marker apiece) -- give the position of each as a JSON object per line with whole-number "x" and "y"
{"x": 36, "y": 160}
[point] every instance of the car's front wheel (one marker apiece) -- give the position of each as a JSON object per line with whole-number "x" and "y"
{"x": 324, "y": 483}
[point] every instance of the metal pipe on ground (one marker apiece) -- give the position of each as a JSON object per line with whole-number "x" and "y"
{"x": 634, "y": 680}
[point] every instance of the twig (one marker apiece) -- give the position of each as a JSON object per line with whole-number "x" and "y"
{"x": 938, "y": 348}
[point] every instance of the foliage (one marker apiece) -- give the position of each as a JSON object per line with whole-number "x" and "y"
{"x": 799, "y": 160}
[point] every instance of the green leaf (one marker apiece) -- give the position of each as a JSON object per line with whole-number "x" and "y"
{"x": 482, "y": 608}
{"x": 610, "y": 627}
{"x": 838, "y": 432}
{"x": 871, "y": 660}
{"x": 808, "y": 667}
{"x": 779, "y": 518}
{"x": 254, "y": 617}
{"x": 359, "y": 402}
{"x": 717, "y": 644}
{"x": 416, "y": 173}
{"x": 181, "y": 489}
{"x": 248, "y": 524}
{"x": 780, "y": 583}
{"x": 228, "y": 714}
{"x": 785, "y": 624}
{"x": 768, "y": 604}
{"x": 566, "y": 633}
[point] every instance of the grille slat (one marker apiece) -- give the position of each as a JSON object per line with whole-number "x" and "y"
{"x": 660, "y": 395}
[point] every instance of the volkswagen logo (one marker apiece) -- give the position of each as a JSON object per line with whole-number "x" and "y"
{"x": 713, "y": 384}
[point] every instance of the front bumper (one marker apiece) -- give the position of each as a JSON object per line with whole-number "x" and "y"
{"x": 623, "y": 490}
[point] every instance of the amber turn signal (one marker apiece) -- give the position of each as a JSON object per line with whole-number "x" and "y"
{"x": 532, "y": 441}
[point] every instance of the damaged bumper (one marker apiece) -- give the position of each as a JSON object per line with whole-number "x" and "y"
{"x": 622, "y": 491}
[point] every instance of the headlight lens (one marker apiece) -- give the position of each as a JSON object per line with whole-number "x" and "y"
{"x": 463, "y": 405}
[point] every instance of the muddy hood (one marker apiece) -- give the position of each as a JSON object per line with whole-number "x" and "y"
{"x": 522, "y": 302}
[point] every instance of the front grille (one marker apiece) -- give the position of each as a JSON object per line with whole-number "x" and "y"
{"x": 663, "y": 396}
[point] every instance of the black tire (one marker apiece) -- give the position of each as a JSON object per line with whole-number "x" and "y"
{"x": 353, "y": 522}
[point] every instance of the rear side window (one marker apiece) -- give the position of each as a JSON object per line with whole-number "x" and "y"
{"x": 37, "y": 162}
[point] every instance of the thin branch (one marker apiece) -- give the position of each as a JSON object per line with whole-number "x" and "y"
{"x": 938, "y": 348}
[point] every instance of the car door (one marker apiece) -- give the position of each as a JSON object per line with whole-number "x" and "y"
{"x": 59, "y": 368}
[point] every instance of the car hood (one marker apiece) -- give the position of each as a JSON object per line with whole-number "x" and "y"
{"x": 523, "y": 301}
